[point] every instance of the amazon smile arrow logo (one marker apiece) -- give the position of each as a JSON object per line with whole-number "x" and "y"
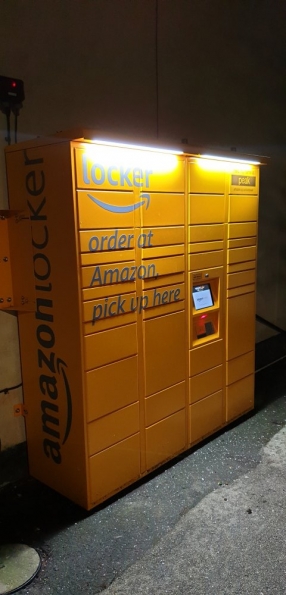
{"x": 126, "y": 209}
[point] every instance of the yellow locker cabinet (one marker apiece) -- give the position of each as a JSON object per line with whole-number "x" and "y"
{"x": 139, "y": 337}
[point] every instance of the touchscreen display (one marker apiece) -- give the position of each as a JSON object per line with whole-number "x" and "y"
{"x": 202, "y": 296}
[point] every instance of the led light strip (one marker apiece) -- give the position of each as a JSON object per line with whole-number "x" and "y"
{"x": 231, "y": 160}
{"x": 138, "y": 147}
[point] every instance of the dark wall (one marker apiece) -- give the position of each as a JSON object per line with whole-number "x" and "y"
{"x": 213, "y": 70}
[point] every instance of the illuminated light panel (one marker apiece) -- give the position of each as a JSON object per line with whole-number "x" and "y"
{"x": 231, "y": 160}
{"x": 139, "y": 147}
{"x": 223, "y": 166}
{"x": 129, "y": 157}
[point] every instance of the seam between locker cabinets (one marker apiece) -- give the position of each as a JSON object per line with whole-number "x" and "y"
{"x": 189, "y": 321}
{"x": 138, "y": 225}
{"x": 81, "y": 302}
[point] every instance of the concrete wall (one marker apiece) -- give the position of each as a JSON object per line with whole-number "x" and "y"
{"x": 92, "y": 63}
{"x": 271, "y": 278}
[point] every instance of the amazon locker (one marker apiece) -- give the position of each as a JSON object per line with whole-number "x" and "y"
{"x": 137, "y": 326}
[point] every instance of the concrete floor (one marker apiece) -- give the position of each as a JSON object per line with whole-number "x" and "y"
{"x": 211, "y": 522}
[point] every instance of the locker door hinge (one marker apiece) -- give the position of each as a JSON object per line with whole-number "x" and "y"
{"x": 20, "y": 409}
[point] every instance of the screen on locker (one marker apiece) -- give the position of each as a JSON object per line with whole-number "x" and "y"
{"x": 202, "y": 296}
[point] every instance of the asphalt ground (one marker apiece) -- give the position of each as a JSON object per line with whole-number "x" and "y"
{"x": 211, "y": 522}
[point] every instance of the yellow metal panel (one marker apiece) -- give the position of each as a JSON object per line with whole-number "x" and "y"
{"x": 205, "y": 260}
{"x": 241, "y": 266}
{"x": 93, "y": 216}
{"x": 94, "y": 258}
{"x": 240, "y": 243}
{"x": 111, "y": 387}
{"x": 201, "y": 180}
{"x": 205, "y": 247}
{"x": 214, "y": 276}
{"x": 205, "y": 384}
{"x": 241, "y": 278}
{"x": 206, "y": 357}
{"x": 164, "y": 403}
{"x": 164, "y": 209}
{"x": 164, "y": 266}
{"x": 206, "y": 209}
{"x": 40, "y": 180}
{"x": 101, "y": 291}
{"x": 163, "y": 251}
{"x": 165, "y": 309}
{"x": 164, "y": 351}
{"x": 172, "y": 278}
{"x": 113, "y": 469}
{"x": 169, "y": 181}
{"x": 112, "y": 428}
{"x": 241, "y": 254}
{"x": 109, "y": 323}
{"x": 165, "y": 439}
{"x": 205, "y": 233}
{"x": 110, "y": 346}
{"x": 206, "y": 416}
{"x": 231, "y": 293}
{"x": 243, "y": 208}
{"x": 240, "y": 321}
{"x": 241, "y": 230}
{"x": 240, "y": 367}
{"x": 239, "y": 397}
{"x": 116, "y": 168}
{"x": 165, "y": 236}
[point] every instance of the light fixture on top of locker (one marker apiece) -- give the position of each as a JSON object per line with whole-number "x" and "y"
{"x": 230, "y": 159}
{"x": 114, "y": 154}
{"x": 137, "y": 147}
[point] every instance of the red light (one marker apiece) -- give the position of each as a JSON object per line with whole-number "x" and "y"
{"x": 14, "y": 84}
{"x": 203, "y": 316}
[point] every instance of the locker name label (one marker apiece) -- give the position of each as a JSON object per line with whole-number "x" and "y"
{"x": 124, "y": 304}
{"x": 243, "y": 180}
{"x": 115, "y": 175}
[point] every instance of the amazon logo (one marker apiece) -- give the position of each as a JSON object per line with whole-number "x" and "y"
{"x": 144, "y": 200}
{"x": 54, "y": 385}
